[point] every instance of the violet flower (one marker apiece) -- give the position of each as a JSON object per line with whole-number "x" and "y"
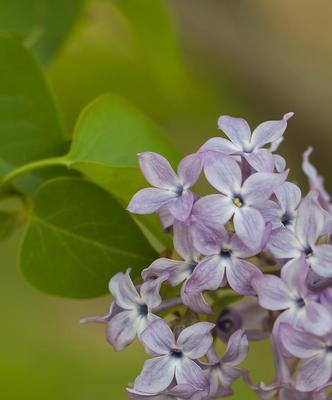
{"x": 171, "y": 189}
{"x": 181, "y": 392}
{"x": 248, "y": 145}
{"x": 173, "y": 358}
{"x": 314, "y": 350}
{"x": 241, "y": 200}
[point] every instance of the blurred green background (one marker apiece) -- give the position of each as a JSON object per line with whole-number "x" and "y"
{"x": 184, "y": 63}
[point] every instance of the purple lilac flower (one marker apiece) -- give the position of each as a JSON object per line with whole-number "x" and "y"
{"x": 181, "y": 392}
{"x": 312, "y": 222}
{"x": 315, "y": 351}
{"x": 131, "y": 312}
{"x": 249, "y": 145}
{"x": 223, "y": 371}
{"x": 225, "y": 263}
{"x": 290, "y": 293}
{"x": 240, "y": 200}
{"x": 170, "y": 189}
{"x": 173, "y": 358}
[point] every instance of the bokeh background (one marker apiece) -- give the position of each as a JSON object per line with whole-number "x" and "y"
{"x": 184, "y": 63}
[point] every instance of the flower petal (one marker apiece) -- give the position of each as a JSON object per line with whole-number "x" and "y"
{"x": 237, "y": 129}
{"x": 249, "y": 226}
{"x": 229, "y": 374}
{"x": 122, "y": 329}
{"x": 237, "y": 349}
{"x": 208, "y": 275}
{"x": 288, "y": 195}
{"x": 271, "y": 212}
{"x": 272, "y": 292}
{"x": 149, "y": 200}
{"x": 239, "y": 276}
{"x": 219, "y": 145}
{"x": 149, "y": 291}
{"x": 260, "y": 160}
{"x": 225, "y": 175}
{"x": 156, "y": 376}
{"x": 157, "y": 170}
{"x": 196, "y": 340}
{"x": 317, "y": 320}
{"x": 279, "y": 163}
{"x": 313, "y": 373}
{"x": 195, "y": 302}
{"x": 270, "y": 131}
{"x": 283, "y": 244}
{"x": 260, "y": 186}
{"x": 190, "y": 169}
{"x": 188, "y": 372}
{"x": 181, "y": 207}
{"x": 294, "y": 275}
{"x": 177, "y": 270}
{"x": 208, "y": 240}
{"x": 158, "y": 338}
{"x": 124, "y": 291}
{"x": 321, "y": 261}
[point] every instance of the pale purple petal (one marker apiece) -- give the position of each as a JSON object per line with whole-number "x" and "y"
{"x": 326, "y": 299}
{"x": 271, "y": 212}
{"x": 181, "y": 207}
{"x": 240, "y": 250}
{"x": 158, "y": 338}
{"x": 249, "y": 225}
{"x": 239, "y": 276}
{"x": 294, "y": 274}
{"x": 195, "y": 302}
{"x": 208, "y": 240}
{"x": 157, "y": 170}
{"x": 237, "y": 349}
{"x": 188, "y": 372}
{"x": 224, "y": 175}
{"x": 317, "y": 320}
{"x": 150, "y": 291}
{"x": 124, "y": 291}
{"x": 279, "y": 162}
{"x": 299, "y": 343}
{"x": 283, "y": 244}
{"x": 177, "y": 270}
{"x": 156, "y": 376}
{"x": 321, "y": 261}
{"x": 260, "y": 186}
{"x": 237, "y": 129}
{"x": 229, "y": 374}
{"x": 166, "y": 218}
{"x": 149, "y": 200}
{"x": 219, "y": 145}
{"x": 183, "y": 243}
{"x": 270, "y": 131}
{"x": 189, "y": 170}
{"x": 272, "y": 292}
{"x": 122, "y": 329}
{"x": 288, "y": 195}
{"x": 196, "y": 340}
{"x": 313, "y": 373}
{"x": 208, "y": 275}
{"x": 260, "y": 160}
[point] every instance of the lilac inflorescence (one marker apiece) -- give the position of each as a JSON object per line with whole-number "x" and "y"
{"x": 251, "y": 261}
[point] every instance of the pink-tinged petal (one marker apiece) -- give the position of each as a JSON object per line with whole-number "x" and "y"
{"x": 150, "y": 291}
{"x": 188, "y": 372}
{"x": 270, "y": 131}
{"x": 219, "y": 145}
{"x": 317, "y": 319}
{"x": 239, "y": 249}
{"x": 195, "y": 302}
{"x": 313, "y": 373}
{"x": 321, "y": 261}
{"x": 224, "y": 175}
{"x": 326, "y": 299}
{"x": 156, "y": 376}
{"x": 190, "y": 169}
{"x": 260, "y": 186}
{"x": 310, "y": 222}
{"x": 299, "y": 343}
{"x": 188, "y": 392}
{"x": 124, "y": 291}
{"x": 181, "y": 207}
{"x": 272, "y": 292}
{"x": 237, "y": 129}
{"x": 260, "y": 160}
{"x": 283, "y": 244}
{"x": 157, "y": 170}
{"x": 208, "y": 240}
{"x": 158, "y": 338}
{"x": 229, "y": 374}
{"x": 196, "y": 340}
{"x": 288, "y": 195}
{"x": 271, "y": 212}
{"x": 279, "y": 163}
{"x": 213, "y": 210}
{"x": 183, "y": 243}
{"x": 249, "y": 225}
{"x": 239, "y": 276}
{"x": 122, "y": 329}
{"x": 149, "y": 200}
{"x": 208, "y": 275}
{"x": 177, "y": 270}
{"x": 237, "y": 349}
{"x": 294, "y": 274}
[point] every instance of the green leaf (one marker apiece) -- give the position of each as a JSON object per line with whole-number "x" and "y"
{"x": 78, "y": 237}
{"x": 30, "y": 127}
{"x": 8, "y": 222}
{"x": 107, "y": 137}
{"x": 42, "y": 24}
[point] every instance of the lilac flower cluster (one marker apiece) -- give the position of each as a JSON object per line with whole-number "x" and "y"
{"x": 250, "y": 262}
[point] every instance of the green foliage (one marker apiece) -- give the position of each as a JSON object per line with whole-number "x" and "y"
{"x": 78, "y": 236}
{"x": 41, "y": 24}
